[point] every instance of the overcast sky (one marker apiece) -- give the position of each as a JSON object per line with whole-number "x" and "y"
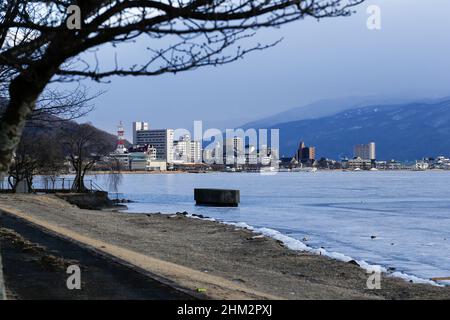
{"x": 409, "y": 57}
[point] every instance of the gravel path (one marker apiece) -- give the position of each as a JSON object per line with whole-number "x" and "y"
{"x": 34, "y": 261}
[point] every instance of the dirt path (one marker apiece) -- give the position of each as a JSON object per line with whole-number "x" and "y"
{"x": 35, "y": 267}
{"x": 228, "y": 263}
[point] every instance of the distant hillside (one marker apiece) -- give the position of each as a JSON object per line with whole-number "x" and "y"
{"x": 403, "y": 132}
{"x": 53, "y": 125}
{"x": 55, "y": 128}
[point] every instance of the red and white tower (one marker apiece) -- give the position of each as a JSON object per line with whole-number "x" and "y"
{"x": 120, "y": 139}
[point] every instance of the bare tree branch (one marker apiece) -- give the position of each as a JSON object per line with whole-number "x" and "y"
{"x": 37, "y": 48}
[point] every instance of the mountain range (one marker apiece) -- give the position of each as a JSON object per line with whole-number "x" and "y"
{"x": 401, "y": 130}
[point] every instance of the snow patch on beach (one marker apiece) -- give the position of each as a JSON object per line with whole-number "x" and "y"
{"x": 295, "y": 244}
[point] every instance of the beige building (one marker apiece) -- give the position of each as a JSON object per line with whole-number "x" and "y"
{"x": 359, "y": 163}
{"x": 156, "y": 165}
{"x": 365, "y": 151}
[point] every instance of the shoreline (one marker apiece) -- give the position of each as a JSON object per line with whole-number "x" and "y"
{"x": 230, "y": 262}
{"x": 93, "y": 173}
{"x": 297, "y": 245}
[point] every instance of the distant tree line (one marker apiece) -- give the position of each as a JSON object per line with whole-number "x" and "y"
{"x": 52, "y": 151}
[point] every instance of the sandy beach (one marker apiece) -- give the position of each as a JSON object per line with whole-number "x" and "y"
{"x": 223, "y": 261}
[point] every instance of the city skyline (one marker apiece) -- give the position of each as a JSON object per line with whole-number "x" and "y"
{"x": 167, "y": 146}
{"x": 143, "y": 133}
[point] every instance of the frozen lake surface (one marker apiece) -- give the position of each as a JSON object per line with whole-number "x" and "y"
{"x": 407, "y": 212}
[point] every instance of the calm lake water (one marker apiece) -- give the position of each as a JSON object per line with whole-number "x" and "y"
{"x": 407, "y": 212}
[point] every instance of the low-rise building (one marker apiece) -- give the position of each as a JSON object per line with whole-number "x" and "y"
{"x": 358, "y": 163}
{"x": 123, "y": 159}
{"x": 156, "y": 165}
{"x": 305, "y": 155}
{"x": 138, "y": 158}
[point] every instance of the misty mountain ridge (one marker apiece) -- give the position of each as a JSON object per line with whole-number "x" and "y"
{"x": 401, "y": 131}
{"x": 329, "y": 107}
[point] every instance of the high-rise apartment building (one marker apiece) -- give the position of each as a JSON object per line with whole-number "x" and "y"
{"x": 160, "y": 139}
{"x": 187, "y": 151}
{"x": 138, "y": 126}
{"x": 365, "y": 151}
{"x": 234, "y": 151}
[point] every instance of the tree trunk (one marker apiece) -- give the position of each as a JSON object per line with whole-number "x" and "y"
{"x": 78, "y": 183}
{"x": 30, "y": 183}
{"x": 12, "y": 183}
{"x": 24, "y": 90}
{"x": 23, "y": 93}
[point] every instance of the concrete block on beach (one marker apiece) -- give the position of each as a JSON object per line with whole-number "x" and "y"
{"x": 90, "y": 200}
{"x": 217, "y": 197}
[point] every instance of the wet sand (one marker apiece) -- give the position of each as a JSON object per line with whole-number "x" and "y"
{"x": 221, "y": 260}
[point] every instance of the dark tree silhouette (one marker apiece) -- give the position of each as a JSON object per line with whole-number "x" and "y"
{"x": 37, "y": 153}
{"x": 84, "y": 145}
{"x": 24, "y": 164}
{"x": 38, "y": 48}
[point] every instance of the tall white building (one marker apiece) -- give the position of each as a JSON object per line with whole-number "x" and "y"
{"x": 160, "y": 139}
{"x": 213, "y": 154}
{"x": 234, "y": 151}
{"x": 365, "y": 151}
{"x": 235, "y": 144}
{"x": 138, "y": 126}
{"x": 187, "y": 151}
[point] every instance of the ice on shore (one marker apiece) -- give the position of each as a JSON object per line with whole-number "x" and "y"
{"x": 295, "y": 244}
